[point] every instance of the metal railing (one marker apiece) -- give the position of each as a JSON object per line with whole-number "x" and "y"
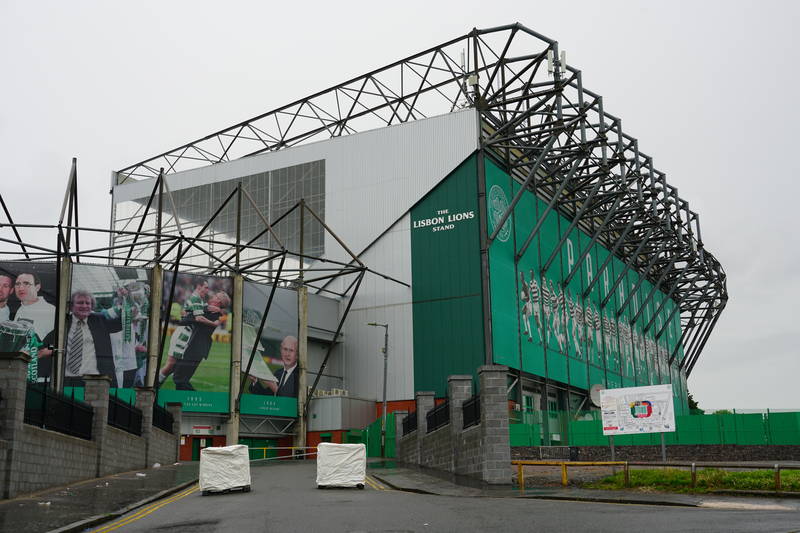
{"x": 162, "y": 419}
{"x": 294, "y": 452}
{"x": 471, "y": 410}
{"x": 410, "y": 423}
{"x": 439, "y": 416}
{"x": 124, "y": 416}
{"x": 626, "y": 465}
{"x": 51, "y": 410}
{"x": 564, "y": 464}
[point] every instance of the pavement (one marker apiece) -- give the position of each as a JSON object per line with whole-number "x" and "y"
{"x": 89, "y": 503}
{"x": 81, "y": 505}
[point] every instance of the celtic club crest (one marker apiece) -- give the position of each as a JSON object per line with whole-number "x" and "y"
{"x": 498, "y": 204}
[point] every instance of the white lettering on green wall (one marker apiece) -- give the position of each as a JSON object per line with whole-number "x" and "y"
{"x": 443, "y": 220}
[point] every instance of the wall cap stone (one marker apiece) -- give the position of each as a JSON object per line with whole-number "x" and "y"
{"x": 96, "y": 377}
{"x": 9, "y": 356}
{"x": 492, "y": 368}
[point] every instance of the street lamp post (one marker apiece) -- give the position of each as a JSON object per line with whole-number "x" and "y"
{"x": 385, "y": 364}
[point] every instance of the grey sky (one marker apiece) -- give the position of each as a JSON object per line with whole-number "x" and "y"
{"x": 705, "y": 87}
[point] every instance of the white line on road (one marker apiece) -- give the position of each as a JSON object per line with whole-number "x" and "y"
{"x": 746, "y": 506}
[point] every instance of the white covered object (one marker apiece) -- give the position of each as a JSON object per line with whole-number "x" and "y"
{"x": 341, "y": 465}
{"x": 224, "y": 468}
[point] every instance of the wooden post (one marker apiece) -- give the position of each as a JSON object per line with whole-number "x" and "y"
{"x": 302, "y": 367}
{"x": 232, "y": 428}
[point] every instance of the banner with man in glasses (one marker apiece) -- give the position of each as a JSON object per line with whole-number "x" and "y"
{"x": 28, "y": 312}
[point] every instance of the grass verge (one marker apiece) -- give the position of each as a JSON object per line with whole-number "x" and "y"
{"x": 708, "y": 479}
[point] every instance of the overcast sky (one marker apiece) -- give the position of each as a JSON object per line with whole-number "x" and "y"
{"x": 706, "y": 87}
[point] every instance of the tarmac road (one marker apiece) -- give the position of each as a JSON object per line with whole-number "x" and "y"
{"x": 284, "y": 498}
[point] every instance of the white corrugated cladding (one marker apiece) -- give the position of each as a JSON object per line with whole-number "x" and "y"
{"x": 384, "y": 302}
{"x": 381, "y": 176}
{"x": 372, "y": 179}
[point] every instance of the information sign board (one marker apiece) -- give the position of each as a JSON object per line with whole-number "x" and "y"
{"x": 633, "y": 410}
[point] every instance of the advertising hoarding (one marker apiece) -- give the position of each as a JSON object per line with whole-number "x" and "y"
{"x": 634, "y": 410}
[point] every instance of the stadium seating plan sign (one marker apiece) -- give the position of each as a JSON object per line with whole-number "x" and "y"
{"x": 633, "y": 410}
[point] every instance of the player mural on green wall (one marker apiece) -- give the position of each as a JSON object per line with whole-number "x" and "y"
{"x": 582, "y": 317}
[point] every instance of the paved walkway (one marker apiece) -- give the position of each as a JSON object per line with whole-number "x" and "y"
{"x": 80, "y": 505}
{"x": 89, "y": 503}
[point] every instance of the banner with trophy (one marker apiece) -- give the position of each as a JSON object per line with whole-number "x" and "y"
{"x": 108, "y": 320}
{"x": 27, "y": 313}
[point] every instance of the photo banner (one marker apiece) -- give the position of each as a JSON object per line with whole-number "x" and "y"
{"x": 27, "y": 314}
{"x": 272, "y": 383}
{"x": 107, "y": 324}
{"x": 196, "y": 361}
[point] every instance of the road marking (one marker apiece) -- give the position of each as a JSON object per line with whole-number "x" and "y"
{"x": 374, "y": 483}
{"x": 146, "y": 511}
{"x": 747, "y": 506}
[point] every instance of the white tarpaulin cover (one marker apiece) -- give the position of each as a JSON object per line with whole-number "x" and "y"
{"x": 224, "y": 468}
{"x": 341, "y": 465}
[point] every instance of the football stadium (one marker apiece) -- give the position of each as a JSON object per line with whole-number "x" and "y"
{"x": 504, "y": 214}
{"x": 472, "y": 204}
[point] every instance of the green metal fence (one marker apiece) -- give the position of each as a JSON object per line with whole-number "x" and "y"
{"x": 371, "y": 436}
{"x": 585, "y": 429}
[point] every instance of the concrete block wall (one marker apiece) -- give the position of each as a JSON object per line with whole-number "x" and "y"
{"x": 127, "y": 452}
{"x": 469, "y": 458}
{"x": 50, "y": 459}
{"x": 407, "y": 449}
{"x": 36, "y": 458}
{"x": 162, "y": 448}
{"x": 13, "y": 370}
{"x": 481, "y": 451}
{"x": 495, "y": 443}
{"x": 436, "y": 450}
